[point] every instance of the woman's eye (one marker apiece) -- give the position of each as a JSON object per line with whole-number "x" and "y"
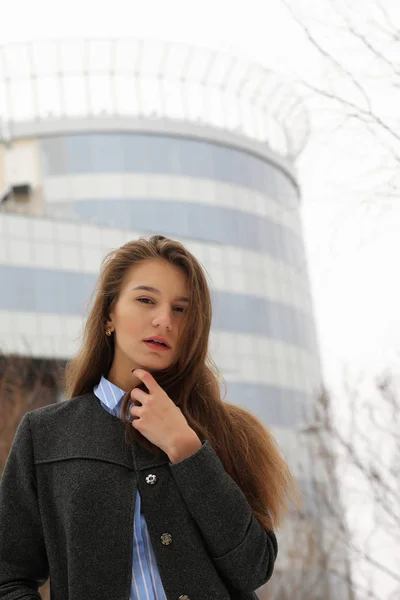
{"x": 179, "y": 309}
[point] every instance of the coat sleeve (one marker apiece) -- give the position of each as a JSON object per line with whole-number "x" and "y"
{"x": 23, "y": 559}
{"x": 242, "y": 550}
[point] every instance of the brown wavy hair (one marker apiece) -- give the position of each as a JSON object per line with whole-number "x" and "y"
{"x": 245, "y": 447}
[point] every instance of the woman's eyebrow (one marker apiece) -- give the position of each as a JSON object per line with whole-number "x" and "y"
{"x": 148, "y": 288}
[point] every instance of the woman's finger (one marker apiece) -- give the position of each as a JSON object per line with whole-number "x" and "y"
{"x": 147, "y": 378}
{"x": 136, "y": 411}
{"x": 139, "y": 395}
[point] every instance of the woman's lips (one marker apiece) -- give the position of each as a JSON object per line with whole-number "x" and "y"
{"x": 158, "y": 347}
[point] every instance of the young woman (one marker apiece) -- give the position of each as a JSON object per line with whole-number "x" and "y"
{"x": 145, "y": 485}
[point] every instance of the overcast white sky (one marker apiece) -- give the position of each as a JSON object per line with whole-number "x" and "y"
{"x": 351, "y": 245}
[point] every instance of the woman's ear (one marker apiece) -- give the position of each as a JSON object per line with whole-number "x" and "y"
{"x": 109, "y": 324}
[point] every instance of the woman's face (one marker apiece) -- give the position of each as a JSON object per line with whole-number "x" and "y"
{"x": 152, "y": 305}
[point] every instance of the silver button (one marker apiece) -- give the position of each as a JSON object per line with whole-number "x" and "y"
{"x": 166, "y": 539}
{"x": 151, "y": 479}
{"x": 184, "y": 597}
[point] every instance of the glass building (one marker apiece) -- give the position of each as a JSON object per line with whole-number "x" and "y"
{"x": 105, "y": 141}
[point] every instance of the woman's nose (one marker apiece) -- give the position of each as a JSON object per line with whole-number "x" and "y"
{"x": 163, "y": 319}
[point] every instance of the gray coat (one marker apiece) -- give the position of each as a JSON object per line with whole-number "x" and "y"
{"x": 67, "y": 507}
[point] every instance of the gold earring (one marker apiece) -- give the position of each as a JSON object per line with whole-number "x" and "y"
{"x": 108, "y": 331}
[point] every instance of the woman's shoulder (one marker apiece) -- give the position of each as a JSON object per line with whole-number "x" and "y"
{"x": 69, "y": 428}
{"x": 58, "y": 412}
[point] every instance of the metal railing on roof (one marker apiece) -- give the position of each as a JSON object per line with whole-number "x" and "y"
{"x": 97, "y": 78}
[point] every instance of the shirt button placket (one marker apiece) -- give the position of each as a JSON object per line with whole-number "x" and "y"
{"x": 166, "y": 538}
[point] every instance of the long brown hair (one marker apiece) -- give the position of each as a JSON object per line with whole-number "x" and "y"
{"x": 245, "y": 447}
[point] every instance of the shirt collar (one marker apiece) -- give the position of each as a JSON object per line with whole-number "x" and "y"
{"x": 108, "y": 393}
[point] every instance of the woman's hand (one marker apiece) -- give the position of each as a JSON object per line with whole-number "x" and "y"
{"x": 161, "y": 421}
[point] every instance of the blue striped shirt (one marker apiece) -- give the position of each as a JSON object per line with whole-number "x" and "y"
{"x": 146, "y": 580}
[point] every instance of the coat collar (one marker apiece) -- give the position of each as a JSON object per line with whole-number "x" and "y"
{"x": 80, "y": 429}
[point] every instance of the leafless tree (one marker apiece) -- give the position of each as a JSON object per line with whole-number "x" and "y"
{"x": 356, "y": 84}
{"x": 345, "y": 542}
{"x": 362, "y": 455}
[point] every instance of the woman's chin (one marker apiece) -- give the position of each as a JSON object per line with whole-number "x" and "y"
{"x": 153, "y": 364}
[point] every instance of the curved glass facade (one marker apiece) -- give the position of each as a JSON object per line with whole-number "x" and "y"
{"x": 151, "y": 153}
{"x": 207, "y": 223}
